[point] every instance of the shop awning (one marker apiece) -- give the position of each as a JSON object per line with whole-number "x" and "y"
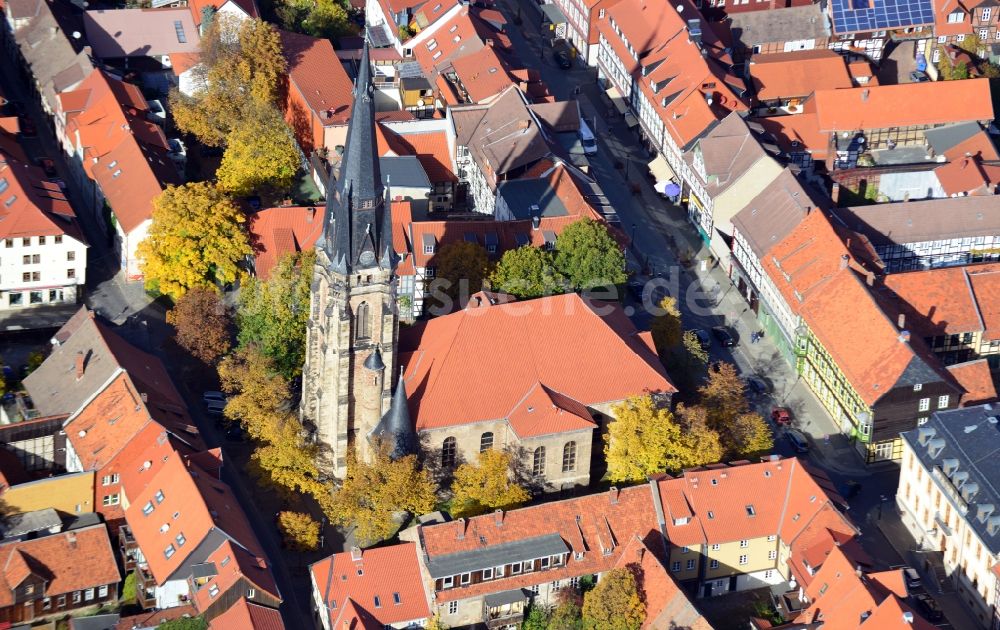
{"x": 617, "y": 100}
{"x": 552, "y": 15}
{"x": 631, "y": 120}
{"x": 660, "y": 170}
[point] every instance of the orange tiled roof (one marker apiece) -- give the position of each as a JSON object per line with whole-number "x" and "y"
{"x": 985, "y": 282}
{"x": 596, "y": 528}
{"x": 244, "y": 615}
{"x": 964, "y": 176}
{"x": 591, "y": 355}
{"x": 976, "y": 379}
{"x": 69, "y": 561}
{"x": 430, "y": 147}
{"x": 277, "y": 232}
{"x": 123, "y": 152}
{"x": 697, "y": 89}
{"x": 798, "y": 74}
{"x": 979, "y": 145}
{"x": 389, "y": 575}
{"x": 934, "y": 302}
{"x": 802, "y": 129}
{"x": 483, "y": 74}
{"x": 904, "y": 105}
{"x": 31, "y": 206}
{"x": 315, "y": 70}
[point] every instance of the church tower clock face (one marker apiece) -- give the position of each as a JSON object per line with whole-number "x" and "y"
{"x": 367, "y": 257}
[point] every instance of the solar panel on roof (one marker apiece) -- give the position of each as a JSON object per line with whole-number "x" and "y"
{"x": 378, "y": 37}
{"x": 861, "y": 15}
{"x": 409, "y": 70}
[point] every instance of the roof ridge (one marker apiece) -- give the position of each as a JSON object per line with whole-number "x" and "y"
{"x": 975, "y": 300}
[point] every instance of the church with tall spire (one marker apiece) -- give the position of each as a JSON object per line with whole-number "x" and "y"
{"x": 348, "y": 398}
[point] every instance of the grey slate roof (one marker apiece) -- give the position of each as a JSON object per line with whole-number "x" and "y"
{"x": 521, "y": 194}
{"x": 403, "y": 171}
{"x": 943, "y": 138}
{"x": 57, "y": 61}
{"x": 965, "y": 441}
{"x": 358, "y": 232}
{"x": 930, "y": 220}
{"x": 29, "y": 522}
{"x": 774, "y": 213}
{"x": 497, "y": 555}
{"x": 396, "y": 425}
{"x": 507, "y": 597}
{"x": 374, "y": 361}
{"x": 97, "y": 622}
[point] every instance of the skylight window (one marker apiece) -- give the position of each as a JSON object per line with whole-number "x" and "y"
{"x": 4, "y": 184}
{"x": 10, "y": 201}
{"x": 751, "y": 511}
{"x": 179, "y": 29}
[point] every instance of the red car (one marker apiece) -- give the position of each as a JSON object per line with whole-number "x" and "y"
{"x": 781, "y": 415}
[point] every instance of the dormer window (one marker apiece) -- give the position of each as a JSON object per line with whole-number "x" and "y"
{"x": 956, "y": 17}
{"x": 430, "y": 243}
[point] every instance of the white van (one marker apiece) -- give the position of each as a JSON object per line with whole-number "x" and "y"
{"x": 587, "y": 138}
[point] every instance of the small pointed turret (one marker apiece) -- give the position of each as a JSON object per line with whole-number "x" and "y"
{"x": 374, "y": 360}
{"x": 396, "y": 428}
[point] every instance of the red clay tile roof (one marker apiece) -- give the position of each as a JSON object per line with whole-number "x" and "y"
{"x": 904, "y": 105}
{"x": 244, "y": 615}
{"x": 589, "y": 354}
{"x": 976, "y": 379}
{"x": 979, "y": 145}
{"x": 607, "y": 521}
{"x": 155, "y": 618}
{"x": 31, "y": 206}
{"x": 387, "y": 574}
{"x": 430, "y": 147}
{"x": 798, "y": 74}
{"x": 934, "y": 302}
{"x": 802, "y": 129}
{"x": 69, "y": 561}
{"x": 544, "y": 412}
{"x": 964, "y": 176}
{"x": 123, "y": 152}
{"x": 483, "y": 74}
{"x": 182, "y": 62}
{"x": 666, "y": 604}
{"x": 277, "y": 232}
{"x": 197, "y": 7}
{"x": 665, "y": 48}
{"x": 315, "y": 70}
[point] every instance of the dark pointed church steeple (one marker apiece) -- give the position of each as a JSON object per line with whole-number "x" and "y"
{"x": 396, "y": 427}
{"x": 358, "y": 232}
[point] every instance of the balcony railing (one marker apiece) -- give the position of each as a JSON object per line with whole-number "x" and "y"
{"x": 504, "y": 619}
{"x": 128, "y": 547}
{"x": 942, "y": 524}
{"x": 145, "y": 587}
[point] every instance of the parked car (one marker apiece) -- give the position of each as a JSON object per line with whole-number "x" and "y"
{"x": 797, "y": 440}
{"x": 562, "y": 59}
{"x": 919, "y": 77}
{"x": 26, "y": 125}
{"x": 781, "y": 415}
{"x": 929, "y": 608}
{"x": 725, "y": 337}
{"x": 755, "y": 385}
{"x": 704, "y": 340}
{"x": 912, "y": 578}
{"x": 215, "y": 408}
{"x": 210, "y": 396}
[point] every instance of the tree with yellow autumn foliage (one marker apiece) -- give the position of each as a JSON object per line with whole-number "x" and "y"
{"x": 374, "y": 493}
{"x": 614, "y": 604}
{"x": 197, "y": 239}
{"x": 261, "y": 155}
{"x": 666, "y": 327}
{"x": 488, "y": 484}
{"x": 258, "y": 393}
{"x": 644, "y": 439}
{"x": 241, "y": 69}
{"x": 300, "y": 531}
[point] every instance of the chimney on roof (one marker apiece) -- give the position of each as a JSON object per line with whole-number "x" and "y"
{"x": 907, "y": 617}
{"x": 144, "y": 396}
{"x": 489, "y": 42}
{"x": 461, "y": 533}
{"x": 498, "y": 518}
{"x": 536, "y": 222}
{"x": 356, "y": 554}
{"x": 71, "y": 540}
{"x": 694, "y": 31}
{"x": 613, "y": 495}
{"x": 871, "y": 278}
{"x": 864, "y": 94}
{"x": 80, "y": 365}
{"x": 857, "y": 571}
{"x": 845, "y": 260}
{"x": 901, "y": 321}
{"x": 904, "y": 336}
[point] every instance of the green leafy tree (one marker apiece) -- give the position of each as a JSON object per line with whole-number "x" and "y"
{"x": 527, "y": 272}
{"x": 588, "y": 256}
{"x": 197, "y": 239}
{"x": 614, "y": 604}
{"x": 272, "y": 314}
{"x": 128, "y": 588}
{"x": 488, "y": 484}
{"x": 461, "y": 262}
{"x": 566, "y": 616}
{"x": 536, "y": 619}
{"x": 261, "y": 155}
{"x": 184, "y": 623}
{"x": 666, "y": 327}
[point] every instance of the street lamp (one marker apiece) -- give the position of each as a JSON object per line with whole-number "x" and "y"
{"x": 633, "y": 234}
